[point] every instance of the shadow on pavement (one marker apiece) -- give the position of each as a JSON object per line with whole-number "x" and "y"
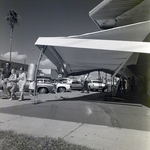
{"x": 120, "y": 98}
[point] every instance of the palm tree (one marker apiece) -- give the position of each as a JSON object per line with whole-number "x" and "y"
{"x": 12, "y": 19}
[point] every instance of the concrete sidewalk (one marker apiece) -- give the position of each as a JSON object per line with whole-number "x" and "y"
{"x": 94, "y": 136}
{"x": 40, "y": 98}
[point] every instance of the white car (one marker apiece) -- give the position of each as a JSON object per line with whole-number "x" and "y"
{"x": 96, "y": 85}
{"x": 63, "y": 87}
{"x": 45, "y": 85}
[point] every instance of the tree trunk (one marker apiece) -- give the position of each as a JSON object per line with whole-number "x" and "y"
{"x": 11, "y": 36}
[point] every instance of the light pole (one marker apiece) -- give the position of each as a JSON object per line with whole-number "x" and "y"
{"x": 26, "y": 55}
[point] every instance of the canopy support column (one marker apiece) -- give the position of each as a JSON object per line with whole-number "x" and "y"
{"x": 60, "y": 60}
{"x": 114, "y": 94}
{"x": 121, "y": 66}
{"x": 43, "y": 49}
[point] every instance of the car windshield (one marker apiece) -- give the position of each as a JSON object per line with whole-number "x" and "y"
{"x": 47, "y": 81}
{"x": 63, "y": 81}
{"x": 76, "y": 82}
{"x": 97, "y": 82}
{"x": 44, "y": 80}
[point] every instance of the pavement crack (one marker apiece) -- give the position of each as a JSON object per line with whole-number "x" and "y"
{"x": 72, "y": 131}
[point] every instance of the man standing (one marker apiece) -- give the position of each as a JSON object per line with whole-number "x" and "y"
{"x": 5, "y": 75}
{"x": 85, "y": 87}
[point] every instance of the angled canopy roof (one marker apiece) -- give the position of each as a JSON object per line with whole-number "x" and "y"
{"x": 133, "y": 32}
{"x": 77, "y": 55}
{"x": 112, "y": 13}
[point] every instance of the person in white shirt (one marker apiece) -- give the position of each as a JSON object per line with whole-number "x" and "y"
{"x": 21, "y": 83}
{"x": 31, "y": 88}
{"x": 12, "y": 83}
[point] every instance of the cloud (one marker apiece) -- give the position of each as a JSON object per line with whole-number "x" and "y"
{"x": 47, "y": 64}
{"x": 14, "y": 56}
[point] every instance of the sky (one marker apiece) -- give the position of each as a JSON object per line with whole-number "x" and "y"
{"x": 42, "y": 18}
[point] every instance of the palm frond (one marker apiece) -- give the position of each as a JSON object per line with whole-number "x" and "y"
{"x": 12, "y": 18}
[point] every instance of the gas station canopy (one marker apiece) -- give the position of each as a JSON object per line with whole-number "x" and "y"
{"x": 103, "y": 50}
{"x": 114, "y": 13}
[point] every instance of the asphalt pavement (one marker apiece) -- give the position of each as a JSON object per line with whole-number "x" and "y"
{"x": 80, "y": 118}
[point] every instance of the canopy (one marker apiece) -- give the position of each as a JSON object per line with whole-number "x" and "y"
{"x": 112, "y": 13}
{"x": 133, "y": 32}
{"x": 81, "y": 54}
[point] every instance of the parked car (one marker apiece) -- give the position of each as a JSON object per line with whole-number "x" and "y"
{"x": 76, "y": 85}
{"x": 63, "y": 87}
{"x": 45, "y": 85}
{"x": 96, "y": 85}
{"x": 65, "y": 80}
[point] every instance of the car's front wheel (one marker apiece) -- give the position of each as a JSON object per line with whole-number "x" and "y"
{"x": 43, "y": 90}
{"x": 61, "y": 89}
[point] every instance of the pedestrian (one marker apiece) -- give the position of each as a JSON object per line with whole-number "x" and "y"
{"x": 144, "y": 84}
{"x": 1, "y": 80}
{"x": 21, "y": 83}
{"x": 5, "y": 75}
{"x": 1, "y": 83}
{"x": 12, "y": 83}
{"x": 124, "y": 84}
{"x": 120, "y": 85}
{"x": 54, "y": 87}
{"x": 31, "y": 88}
{"x": 136, "y": 84}
{"x": 129, "y": 84}
{"x": 133, "y": 84}
{"x": 85, "y": 87}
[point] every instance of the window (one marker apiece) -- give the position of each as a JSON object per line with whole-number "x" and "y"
{"x": 97, "y": 82}
{"x": 78, "y": 82}
{"x": 47, "y": 81}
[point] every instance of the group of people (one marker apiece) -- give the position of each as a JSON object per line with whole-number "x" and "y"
{"x": 137, "y": 84}
{"x": 9, "y": 80}
{"x": 122, "y": 85}
{"x": 133, "y": 84}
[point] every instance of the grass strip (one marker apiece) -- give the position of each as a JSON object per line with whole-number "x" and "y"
{"x": 10, "y": 140}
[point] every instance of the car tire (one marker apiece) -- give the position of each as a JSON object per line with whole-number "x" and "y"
{"x": 43, "y": 90}
{"x": 61, "y": 89}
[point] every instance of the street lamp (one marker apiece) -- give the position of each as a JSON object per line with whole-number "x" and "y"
{"x": 26, "y": 55}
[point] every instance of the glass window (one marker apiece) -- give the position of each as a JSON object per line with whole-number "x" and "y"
{"x": 97, "y": 82}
